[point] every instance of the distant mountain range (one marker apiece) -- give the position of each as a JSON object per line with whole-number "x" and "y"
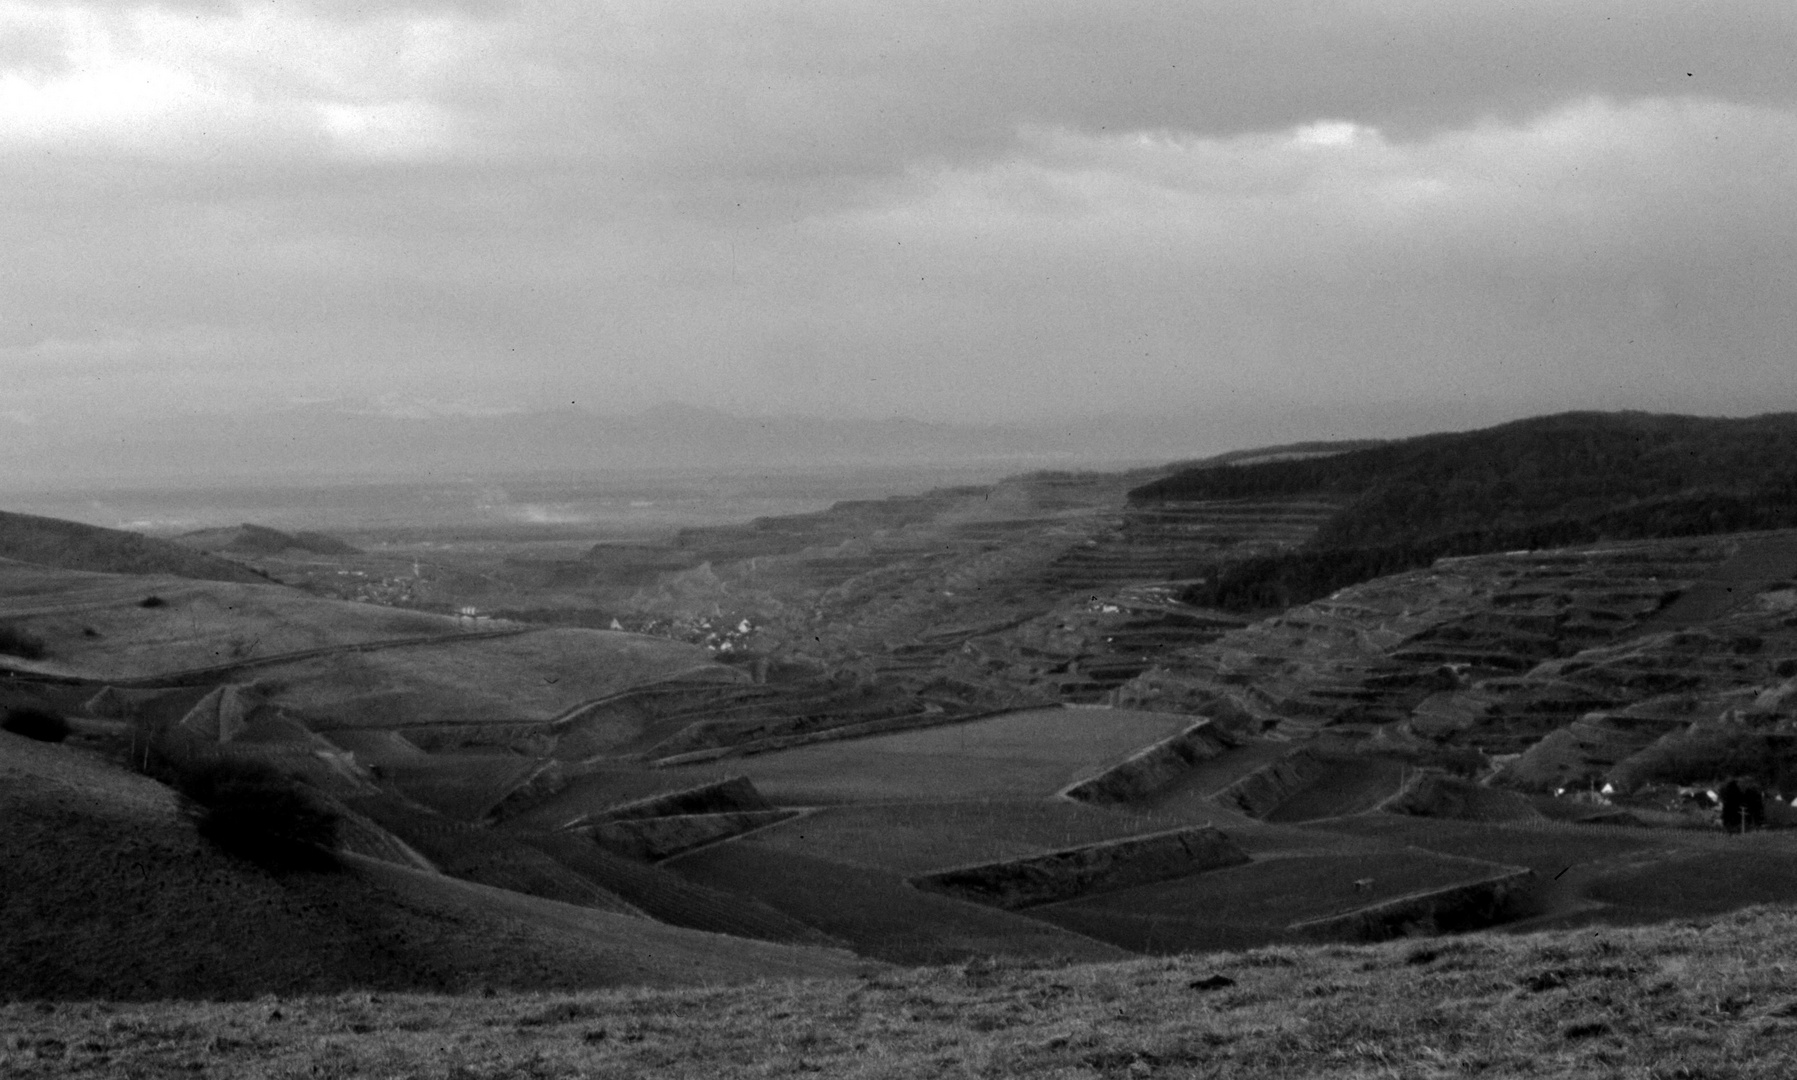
{"x": 336, "y": 440}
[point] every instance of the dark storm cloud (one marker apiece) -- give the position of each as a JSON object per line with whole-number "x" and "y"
{"x": 771, "y": 102}
{"x": 970, "y": 210}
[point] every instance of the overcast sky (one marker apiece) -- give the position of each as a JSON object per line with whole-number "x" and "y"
{"x": 951, "y": 210}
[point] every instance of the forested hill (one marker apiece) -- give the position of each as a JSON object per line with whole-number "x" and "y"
{"x": 1548, "y": 481}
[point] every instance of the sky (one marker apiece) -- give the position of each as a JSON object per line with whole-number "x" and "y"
{"x": 1378, "y": 214}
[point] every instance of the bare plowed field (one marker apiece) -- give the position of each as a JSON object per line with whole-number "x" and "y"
{"x": 1016, "y": 755}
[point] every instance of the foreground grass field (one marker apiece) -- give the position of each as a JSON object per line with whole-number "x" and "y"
{"x": 1696, "y": 999}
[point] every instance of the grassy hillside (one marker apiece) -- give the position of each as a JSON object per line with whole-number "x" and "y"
{"x": 532, "y": 676}
{"x": 110, "y": 893}
{"x": 127, "y": 626}
{"x": 1544, "y": 482}
{"x": 1699, "y": 999}
{"x": 73, "y": 546}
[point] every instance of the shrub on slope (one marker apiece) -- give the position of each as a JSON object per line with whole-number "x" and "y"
{"x": 256, "y": 812}
{"x": 20, "y": 643}
{"x": 39, "y": 724}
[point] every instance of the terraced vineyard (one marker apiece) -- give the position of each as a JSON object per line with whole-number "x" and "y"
{"x": 1034, "y": 752}
{"x": 1048, "y": 587}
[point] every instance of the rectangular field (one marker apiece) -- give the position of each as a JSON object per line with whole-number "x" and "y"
{"x": 914, "y": 838}
{"x": 1013, "y": 756}
{"x": 1546, "y": 849}
{"x": 877, "y": 912}
{"x": 1243, "y": 906}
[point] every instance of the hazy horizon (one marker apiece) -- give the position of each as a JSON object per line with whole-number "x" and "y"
{"x": 623, "y": 505}
{"x": 1226, "y": 224}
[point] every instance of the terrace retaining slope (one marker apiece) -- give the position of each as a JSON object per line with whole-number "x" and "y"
{"x": 1153, "y": 768}
{"x": 1429, "y": 793}
{"x": 737, "y": 794}
{"x": 1090, "y": 868}
{"x": 1470, "y": 906}
{"x": 1262, "y": 791}
{"x": 655, "y": 838}
{"x": 543, "y": 782}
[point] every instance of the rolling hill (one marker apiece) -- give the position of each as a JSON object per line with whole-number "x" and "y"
{"x": 247, "y": 539}
{"x": 69, "y": 545}
{"x": 111, "y": 894}
{"x": 1545, "y": 482}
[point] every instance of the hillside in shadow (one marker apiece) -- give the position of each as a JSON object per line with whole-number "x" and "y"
{"x": 1545, "y": 482}
{"x": 69, "y": 545}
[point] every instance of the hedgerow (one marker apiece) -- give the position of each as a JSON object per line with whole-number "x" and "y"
{"x": 33, "y": 723}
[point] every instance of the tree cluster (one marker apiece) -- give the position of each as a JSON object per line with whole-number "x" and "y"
{"x": 256, "y": 812}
